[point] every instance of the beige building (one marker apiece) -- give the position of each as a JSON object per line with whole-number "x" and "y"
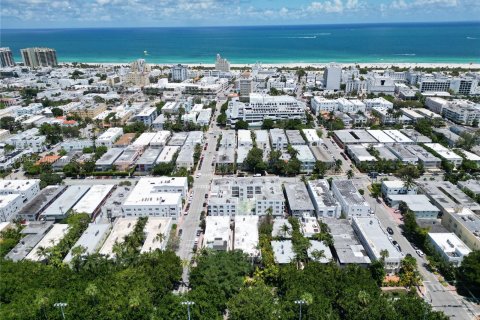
{"x": 465, "y": 224}
{"x": 139, "y": 73}
{"x": 89, "y": 111}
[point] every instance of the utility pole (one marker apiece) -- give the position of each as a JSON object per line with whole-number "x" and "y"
{"x": 188, "y": 304}
{"x": 300, "y": 302}
{"x": 62, "y": 306}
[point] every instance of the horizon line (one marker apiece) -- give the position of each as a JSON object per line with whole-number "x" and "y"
{"x": 260, "y": 25}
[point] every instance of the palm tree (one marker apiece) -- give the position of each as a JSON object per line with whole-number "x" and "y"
{"x": 317, "y": 255}
{"x": 384, "y": 254}
{"x": 338, "y": 164}
{"x": 350, "y": 174}
{"x": 285, "y": 229}
{"x": 408, "y": 182}
{"x": 160, "y": 237}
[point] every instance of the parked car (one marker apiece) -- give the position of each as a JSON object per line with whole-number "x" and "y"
{"x": 390, "y": 230}
{"x": 395, "y": 242}
{"x": 420, "y": 252}
{"x": 199, "y": 232}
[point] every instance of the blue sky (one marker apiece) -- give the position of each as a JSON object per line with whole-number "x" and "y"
{"x": 153, "y": 13}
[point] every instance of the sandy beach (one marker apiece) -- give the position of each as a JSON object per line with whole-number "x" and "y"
{"x": 371, "y": 65}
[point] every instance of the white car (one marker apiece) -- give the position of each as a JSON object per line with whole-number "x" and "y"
{"x": 420, "y": 252}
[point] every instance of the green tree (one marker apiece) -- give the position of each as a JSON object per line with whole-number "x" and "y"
{"x": 468, "y": 274}
{"x": 240, "y": 124}
{"x": 253, "y": 303}
{"x": 268, "y": 124}
{"x": 254, "y": 161}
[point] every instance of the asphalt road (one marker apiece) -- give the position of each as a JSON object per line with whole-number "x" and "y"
{"x": 201, "y": 186}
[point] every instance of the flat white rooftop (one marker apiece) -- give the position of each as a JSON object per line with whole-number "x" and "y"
{"x": 246, "y": 235}
{"x": 217, "y": 231}
{"x": 444, "y": 152}
{"x": 381, "y": 136}
{"x": 398, "y": 136}
{"x": 93, "y": 198}
{"x": 17, "y": 186}
{"x": 51, "y": 239}
{"x": 121, "y": 228}
{"x": 91, "y": 239}
{"x": 155, "y": 227}
{"x": 450, "y": 244}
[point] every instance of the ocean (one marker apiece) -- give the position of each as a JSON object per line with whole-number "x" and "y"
{"x": 362, "y": 43}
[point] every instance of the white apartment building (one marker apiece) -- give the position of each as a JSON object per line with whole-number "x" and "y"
{"x": 374, "y": 238}
{"x": 28, "y": 140}
{"x": 450, "y": 247}
{"x": 10, "y": 204}
{"x": 436, "y": 104}
{"x": 246, "y": 196}
{"x": 321, "y": 104}
{"x": 306, "y": 157}
{"x": 350, "y": 106}
{"x": 445, "y": 153}
{"x": 156, "y": 197}
{"x": 323, "y": 201}
{"x": 332, "y": 76}
{"x": 462, "y": 111}
{"x": 353, "y": 204}
{"x": 263, "y": 107}
{"x": 244, "y": 138}
{"x": 147, "y": 115}
{"x": 222, "y": 64}
{"x": 109, "y": 137}
{"x": 394, "y": 187}
{"x": 179, "y": 72}
{"x": 6, "y": 58}
{"x": 380, "y": 84}
{"x": 246, "y": 235}
{"x": 279, "y": 139}
{"x": 378, "y": 102}
{"x": 245, "y": 84}
{"x": 218, "y": 234}
{"x": 27, "y": 189}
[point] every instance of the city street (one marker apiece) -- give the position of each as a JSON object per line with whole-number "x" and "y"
{"x": 436, "y": 294}
{"x": 190, "y": 222}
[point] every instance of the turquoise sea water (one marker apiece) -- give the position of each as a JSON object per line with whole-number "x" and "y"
{"x": 440, "y": 42}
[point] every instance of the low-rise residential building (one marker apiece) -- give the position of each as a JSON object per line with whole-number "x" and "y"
{"x": 360, "y": 154}
{"x": 294, "y": 137}
{"x": 305, "y": 155}
{"x": 156, "y": 197}
{"x": 347, "y": 248}
{"x": 416, "y": 203}
{"x": 9, "y": 206}
{"x": 427, "y": 159}
{"x": 167, "y": 154}
{"x": 147, "y": 115}
{"x": 395, "y": 187}
{"x": 157, "y": 231}
{"x": 261, "y": 139}
{"x": 218, "y": 233}
{"x": 374, "y": 238}
{"x": 109, "y": 137}
{"x": 447, "y": 196}
{"x": 40, "y": 202}
{"x": 246, "y": 196}
{"x": 323, "y": 201}
{"x": 449, "y": 246}
{"x": 53, "y": 237}
{"x": 121, "y": 228}
{"x": 353, "y": 204}
{"x": 91, "y": 239}
{"x": 160, "y": 139}
{"x": 27, "y": 189}
{"x": 402, "y": 153}
{"x": 106, "y": 161}
{"x": 445, "y": 153}
{"x": 465, "y": 224}
{"x": 32, "y": 234}
{"x": 470, "y": 185}
{"x": 92, "y": 201}
{"x": 246, "y": 235}
{"x": 312, "y": 137}
{"x": 185, "y": 157}
{"x": 60, "y": 208}
{"x": 283, "y": 251}
{"x": 299, "y": 201}
{"x": 321, "y": 104}
{"x": 147, "y": 160}
{"x": 279, "y": 139}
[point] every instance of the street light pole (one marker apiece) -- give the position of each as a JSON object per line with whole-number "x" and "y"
{"x": 61, "y": 305}
{"x": 188, "y": 304}
{"x": 300, "y": 302}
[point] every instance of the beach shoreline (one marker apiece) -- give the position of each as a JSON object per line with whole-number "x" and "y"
{"x": 369, "y": 65}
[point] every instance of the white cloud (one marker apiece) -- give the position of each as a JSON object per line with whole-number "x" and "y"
{"x": 333, "y": 6}
{"x": 417, "y": 4}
